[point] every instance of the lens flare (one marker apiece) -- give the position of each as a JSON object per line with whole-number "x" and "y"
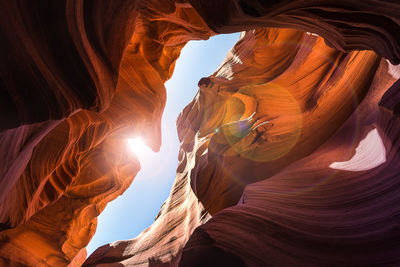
{"x": 274, "y": 127}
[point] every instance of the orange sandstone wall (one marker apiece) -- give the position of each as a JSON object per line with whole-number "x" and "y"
{"x": 291, "y": 145}
{"x": 301, "y": 168}
{"x": 59, "y": 172}
{"x": 259, "y": 142}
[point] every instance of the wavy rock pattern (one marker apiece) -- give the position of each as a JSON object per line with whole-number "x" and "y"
{"x": 269, "y": 121}
{"x": 310, "y": 213}
{"x": 272, "y": 133}
{"x": 345, "y": 25}
{"x": 60, "y": 174}
{"x": 276, "y": 145}
{"x": 162, "y": 243}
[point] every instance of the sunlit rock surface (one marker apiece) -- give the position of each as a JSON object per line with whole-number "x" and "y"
{"x": 58, "y": 174}
{"x": 162, "y": 243}
{"x": 292, "y": 144}
{"x": 299, "y": 209}
{"x": 266, "y": 118}
{"x": 345, "y": 25}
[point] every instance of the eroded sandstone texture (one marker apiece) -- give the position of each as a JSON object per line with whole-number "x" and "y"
{"x": 60, "y": 171}
{"x": 292, "y": 145}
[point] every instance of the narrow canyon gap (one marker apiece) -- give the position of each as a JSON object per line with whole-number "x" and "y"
{"x": 289, "y": 152}
{"x": 135, "y": 210}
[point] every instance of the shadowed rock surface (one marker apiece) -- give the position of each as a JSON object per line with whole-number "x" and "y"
{"x": 292, "y": 145}
{"x": 345, "y": 25}
{"x": 323, "y": 208}
{"x": 58, "y": 175}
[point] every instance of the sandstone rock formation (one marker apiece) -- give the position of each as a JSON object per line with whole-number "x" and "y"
{"x": 265, "y": 122}
{"x": 345, "y": 25}
{"x": 292, "y": 145}
{"x": 58, "y": 174}
{"x": 311, "y": 212}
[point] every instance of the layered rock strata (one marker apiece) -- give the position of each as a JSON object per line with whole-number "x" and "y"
{"x": 284, "y": 144}
{"x": 292, "y": 144}
{"x": 333, "y": 202}
{"x": 59, "y": 173}
{"x": 345, "y": 25}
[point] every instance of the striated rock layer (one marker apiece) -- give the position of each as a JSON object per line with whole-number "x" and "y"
{"x": 286, "y": 145}
{"x": 59, "y": 174}
{"x": 291, "y": 145}
{"x": 328, "y": 194}
{"x": 345, "y": 25}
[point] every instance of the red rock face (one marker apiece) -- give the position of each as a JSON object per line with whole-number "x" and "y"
{"x": 269, "y": 121}
{"x": 329, "y": 199}
{"x": 58, "y": 175}
{"x": 291, "y": 145}
{"x": 345, "y": 25}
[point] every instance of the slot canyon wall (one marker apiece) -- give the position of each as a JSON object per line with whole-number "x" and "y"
{"x": 289, "y": 152}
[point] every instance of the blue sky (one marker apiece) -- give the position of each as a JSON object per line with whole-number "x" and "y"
{"x": 128, "y": 215}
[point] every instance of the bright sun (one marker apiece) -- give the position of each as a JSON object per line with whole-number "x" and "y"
{"x": 139, "y": 147}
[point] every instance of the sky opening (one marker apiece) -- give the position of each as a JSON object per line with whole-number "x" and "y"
{"x": 129, "y": 214}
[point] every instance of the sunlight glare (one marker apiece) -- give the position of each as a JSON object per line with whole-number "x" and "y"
{"x": 139, "y": 148}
